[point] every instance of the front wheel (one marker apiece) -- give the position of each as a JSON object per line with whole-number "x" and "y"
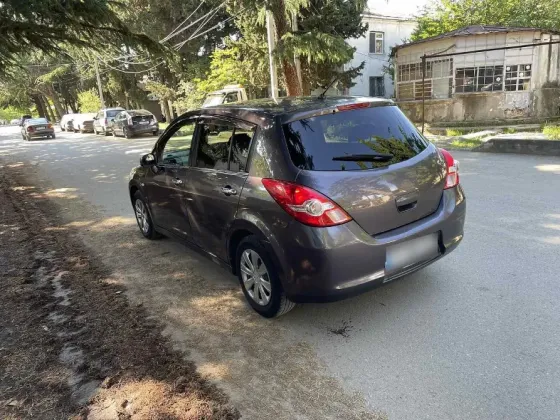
{"x": 259, "y": 281}
{"x": 143, "y": 217}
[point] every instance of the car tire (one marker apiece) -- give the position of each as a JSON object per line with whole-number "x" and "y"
{"x": 114, "y": 133}
{"x": 62, "y": 129}
{"x": 126, "y": 134}
{"x": 105, "y": 132}
{"x": 251, "y": 252}
{"x": 155, "y": 133}
{"x": 75, "y": 130}
{"x": 53, "y": 136}
{"x": 143, "y": 217}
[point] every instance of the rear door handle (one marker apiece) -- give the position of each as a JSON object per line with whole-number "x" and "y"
{"x": 177, "y": 181}
{"x": 227, "y": 190}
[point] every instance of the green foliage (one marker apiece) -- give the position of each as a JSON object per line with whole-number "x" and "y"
{"x": 442, "y": 16}
{"x": 453, "y": 132}
{"x": 466, "y": 144}
{"x": 12, "y": 112}
{"x": 509, "y": 130}
{"x": 552, "y": 132}
{"x": 50, "y": 25}
{"x": 89, "y": 101}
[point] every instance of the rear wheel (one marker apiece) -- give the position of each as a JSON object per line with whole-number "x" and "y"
{"x": 105, "y": 132}
{"x": 53, "y": 136}
{"x": 126, "y": 133}
{"x": 155, "y": 132}
{"x": 143, "y": 217}
{"x": 259, "y": 281}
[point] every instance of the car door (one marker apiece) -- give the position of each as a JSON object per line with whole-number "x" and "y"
{"x": 164, "y": 184}
{"x": 216, "y": 179}
{"x": 118, "y": 121}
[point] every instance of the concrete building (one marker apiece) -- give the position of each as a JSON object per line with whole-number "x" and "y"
{"x": 479, "y": 86}
{"x": 384, "y": 33}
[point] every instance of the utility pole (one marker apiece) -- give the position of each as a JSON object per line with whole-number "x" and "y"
{"x": 271, "y": 47}
{"x": 99, "y": 84}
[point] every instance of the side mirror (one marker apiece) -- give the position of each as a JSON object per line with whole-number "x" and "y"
{"x": 148, "y": 160}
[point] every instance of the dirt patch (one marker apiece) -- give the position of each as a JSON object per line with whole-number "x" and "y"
{"x": 71, "y": 344}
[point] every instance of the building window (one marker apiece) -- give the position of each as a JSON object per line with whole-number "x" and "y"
{"x": 376, "y": 86}
{"x": 376, "y": 43}
{"x": 438, "y": 80}
{"x": 518, "y": 77}
{"x": 479, "y": 79}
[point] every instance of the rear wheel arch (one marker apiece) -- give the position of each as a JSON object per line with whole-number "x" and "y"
{"x": 133, "y": 190}
{"x": 239, "y": 231}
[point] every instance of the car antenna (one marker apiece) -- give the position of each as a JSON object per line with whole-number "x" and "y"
{"x": 322, "y": 95}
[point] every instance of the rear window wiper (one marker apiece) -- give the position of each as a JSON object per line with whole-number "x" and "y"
{"x": 370, "y": 157}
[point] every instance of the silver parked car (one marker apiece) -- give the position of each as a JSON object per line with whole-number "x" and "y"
{"x": 103, "y": 121}
{"x": 37, "y": 128}
{"x": 305, "y": 199}
{"x": 66, "y": 122}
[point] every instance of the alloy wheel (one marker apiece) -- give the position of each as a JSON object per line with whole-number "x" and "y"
{"x": 255, "y": 277}
{"x": 142, "y": 216}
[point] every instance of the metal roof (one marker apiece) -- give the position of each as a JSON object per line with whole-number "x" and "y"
{"x": 476, "y": 30}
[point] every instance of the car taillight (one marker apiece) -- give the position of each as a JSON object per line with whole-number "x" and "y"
{"x": 106, "y": 121}
{"x": 350, "y": 107}
{"x": 452, "y": 176}
{"x": 306, "y": 205}
{"x": 30, "y": 128}
{"x": 49, "y": 126}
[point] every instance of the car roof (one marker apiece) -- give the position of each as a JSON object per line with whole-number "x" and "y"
{"x": 288, "y": 108}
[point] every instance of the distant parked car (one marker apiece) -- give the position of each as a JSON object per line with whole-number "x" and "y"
{"x": 66, "y": 122}
{"x": 15, "y": 121}
{"x": 104, "y": 119}
{"x": 83, "y": 123}
{"x": 134, "y": 122}
{"x": 37, "y": 127}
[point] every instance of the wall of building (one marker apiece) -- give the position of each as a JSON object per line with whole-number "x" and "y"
{"x": 542, "y": 99}
{"x": 396, "y": 31}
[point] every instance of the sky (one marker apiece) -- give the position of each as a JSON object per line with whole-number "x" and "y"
{"x": 396, "y": 7}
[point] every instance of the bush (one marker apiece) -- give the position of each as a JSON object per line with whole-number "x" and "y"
{"x": 552, "y": 132}
{"x": 466, "y": 144}
{"x": 453, "y": 132}
{"x": 89, "y": 101}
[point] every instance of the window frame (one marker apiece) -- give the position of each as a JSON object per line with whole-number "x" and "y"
{"x": 477, "y": 76}
{"x": 236, "y": 122}
{"x": 518, "y": 80}
{"x": 372, "y": 84}
{"x": 168, "y": 133}
{"x": 382, "y": 38}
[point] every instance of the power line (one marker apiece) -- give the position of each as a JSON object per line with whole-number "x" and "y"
{"x": 195, "y": 22}
{"x": 172, "y": 33}
{"x": 132, "y": 72}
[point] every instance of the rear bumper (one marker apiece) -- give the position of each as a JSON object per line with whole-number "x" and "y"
{"x": 40, "y": 134}
{"x": 328, "y": 264}
{"x": 143, "y": 129}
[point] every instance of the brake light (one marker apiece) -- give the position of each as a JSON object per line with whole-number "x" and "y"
{"x": 106, "y": 121}
{"x": 49, "y": 126}
{"x": 305, "y": 204}
{"x": 353, "y": 106}
{"x": 452, "y": 177}
{"x": 30, "y": 128}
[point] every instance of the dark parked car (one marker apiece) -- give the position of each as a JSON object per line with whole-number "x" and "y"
{"x": 135, "y": 122}
{"x": 306, "y": 199}
{"x": 37, "y": 127}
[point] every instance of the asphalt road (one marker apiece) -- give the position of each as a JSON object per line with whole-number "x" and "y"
{"x": 474, "y": 336}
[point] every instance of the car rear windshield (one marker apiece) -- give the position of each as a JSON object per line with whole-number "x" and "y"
{"x": 140, "y": 113}
{"x": 38, "y": 121}
{"x": 112, "y": 112}
{"x": 331, "y": 142}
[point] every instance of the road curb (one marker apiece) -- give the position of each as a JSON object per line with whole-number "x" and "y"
{"x": 520, "y": 146}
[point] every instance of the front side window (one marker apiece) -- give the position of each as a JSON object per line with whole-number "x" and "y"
{"x": 177, "y": 149}
{"x": 334, "y": 142}
{"x": 376, "y": 42}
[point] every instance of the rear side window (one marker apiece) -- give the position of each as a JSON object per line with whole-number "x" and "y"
{"x": 112, "y": 112}
{"x": 318, "y": 143}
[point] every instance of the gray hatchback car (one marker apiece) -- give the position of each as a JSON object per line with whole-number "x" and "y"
{"x": 305, "y": 199}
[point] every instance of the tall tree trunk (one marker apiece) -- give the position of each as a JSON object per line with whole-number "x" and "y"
{"x": 166, "y": 110}
{"x": 48, "y": 110}
{"x": 39, "y": 105}
{"x": 293, "y": 87}
{"x": 56, "y": 101}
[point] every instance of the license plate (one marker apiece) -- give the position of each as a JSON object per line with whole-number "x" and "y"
{"x": 144, "y": 122}
{"x": 411, "y": 252}
{"x": 40, "y": 127}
